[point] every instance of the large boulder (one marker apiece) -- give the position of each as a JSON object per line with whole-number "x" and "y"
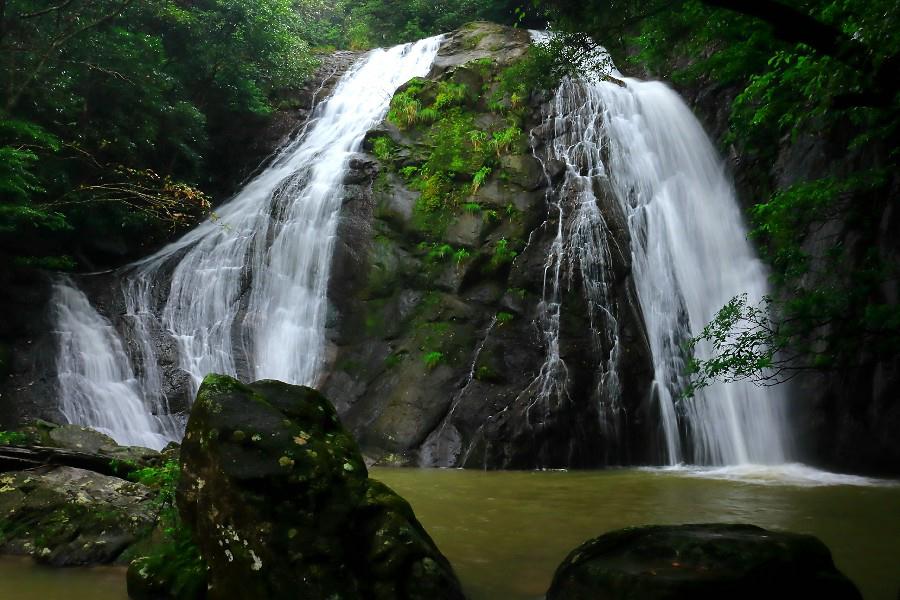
{"x": 280, "y": 504}
{"x": 699, "y": 562}
{"x": 67, "y": 516}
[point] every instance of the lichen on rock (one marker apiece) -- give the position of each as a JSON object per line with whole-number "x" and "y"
{"x": 286, "y": 509}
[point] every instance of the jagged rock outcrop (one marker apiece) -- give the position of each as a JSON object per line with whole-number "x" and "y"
{"x": 278, "y": 500}
{"x": 700, "y": 562}
{"x": 439, "y": 278}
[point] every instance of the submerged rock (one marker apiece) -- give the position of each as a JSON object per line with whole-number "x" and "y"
{"x": 698, "y": 562}
{"x": 280, "y": 504}
{"x": 65, "y": 516}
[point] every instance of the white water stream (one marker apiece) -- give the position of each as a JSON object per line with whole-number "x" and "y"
{"x": 689, "y": 251}
{"x": 690, "y": 256}
{"x": 247, "y": 290}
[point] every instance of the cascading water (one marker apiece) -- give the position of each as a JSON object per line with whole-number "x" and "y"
{"x": 639, "y": 142}
{"x": 247, "y": 292}
{"x": 97, "y": 383}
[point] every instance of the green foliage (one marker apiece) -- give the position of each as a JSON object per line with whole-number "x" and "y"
{"x": 177, "y": 562}
{"x": 459, "y": 149}
{"x": 490, "y": 216}
{"x": 433, "y": 359}
{"x": 383, "y": 148}
{"x": 436, "y": 252}
{"x": 384, "y": 22}
{"x": 505, "y": 140}
{"x": 163, "y": 479}
{"x": 486, "y": 374}
{"x": 479, "y": 178}
{"x": 176, "y": 559}
{"x": 394, "y": 359}
{"x": 450, "y": 94}
{"x": 12, "y": 438}
{"x": 503, "y": 254}
{"x": 519, "y": 293}
{"x": 404, "y": 110}
{"x": 21, "y": 144}
{"x": 49, "y": 263}
{"x": 460, "y": 255}
{"x": 542, "y": 68}
{"x": 504, "y": 317}
{"x": 744, "y": 345}
{"x": 112, "y": 110}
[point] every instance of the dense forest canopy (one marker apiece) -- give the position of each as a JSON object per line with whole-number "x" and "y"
{"x": 113, "y": 112}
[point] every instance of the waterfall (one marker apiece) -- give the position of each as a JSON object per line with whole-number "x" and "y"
{"x": 98, "y": 386}
{"x": 638, "y": 142}
{"x": 245, "y": 292}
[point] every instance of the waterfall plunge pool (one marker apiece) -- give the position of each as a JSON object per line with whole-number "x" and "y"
{"x": 505, "y": 532}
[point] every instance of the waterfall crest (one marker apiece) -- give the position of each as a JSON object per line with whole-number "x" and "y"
{"x": 246, "y": 293}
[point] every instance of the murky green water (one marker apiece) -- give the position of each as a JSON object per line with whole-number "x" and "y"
{"x": 506, "y": 532}
{"x": 21, "y": 579}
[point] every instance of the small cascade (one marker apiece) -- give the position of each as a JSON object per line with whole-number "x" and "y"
{"x": 244, "y": 293}
{"x": 580, "y": 255}
{"x": 98, "y": 386}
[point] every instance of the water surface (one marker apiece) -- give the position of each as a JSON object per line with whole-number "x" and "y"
{"x": 505, "y": 532}
{"x": 22, "y": 579}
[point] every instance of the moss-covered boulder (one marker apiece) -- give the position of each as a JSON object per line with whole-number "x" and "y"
{"x": 279, "y": 501}
{"x": 700, "y": 562}
{"x": 66, "y": 516}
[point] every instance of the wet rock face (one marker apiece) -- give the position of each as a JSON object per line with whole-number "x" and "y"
{"x": 65, "y": 516}
{"x": 699, "y": 562}
{"x": 436, "y": 331}
{"x": 280, "y": 504}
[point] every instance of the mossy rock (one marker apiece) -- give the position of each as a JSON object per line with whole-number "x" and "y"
{"x": 65, "y": 516}
{"x": 700, "y": 562}
{"x": 278, "y": 499}
{"x": 169, "y": 570}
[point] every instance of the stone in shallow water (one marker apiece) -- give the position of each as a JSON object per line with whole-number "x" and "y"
{"x": 281, "y": 506}
{"x": 700, "y": 562}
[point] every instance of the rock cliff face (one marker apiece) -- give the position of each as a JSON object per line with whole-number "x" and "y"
{"x": 439, "y": 349}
